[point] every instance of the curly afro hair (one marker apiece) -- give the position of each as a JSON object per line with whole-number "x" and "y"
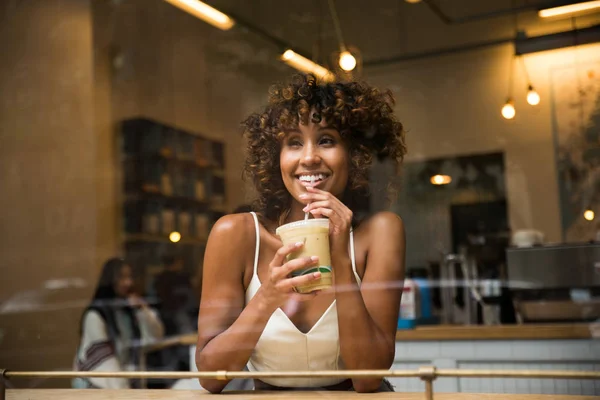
{"x": 362, "y": 114}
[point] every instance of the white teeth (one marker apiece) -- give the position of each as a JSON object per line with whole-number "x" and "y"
{"x": 311, "y": 178}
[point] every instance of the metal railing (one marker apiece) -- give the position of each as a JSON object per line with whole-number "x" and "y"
{"x": 427, "y": 374}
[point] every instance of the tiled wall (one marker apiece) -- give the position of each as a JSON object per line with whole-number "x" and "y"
{"x": 494, "y": 354}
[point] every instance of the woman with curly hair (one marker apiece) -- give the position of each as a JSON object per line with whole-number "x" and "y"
{"x": 309, "y": 151}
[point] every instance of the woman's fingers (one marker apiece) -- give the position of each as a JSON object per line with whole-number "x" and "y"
{"x": 278, "y": 273}
{"x": 317, "y": 204}
{"x": 290, "y": 283}
{"x": 283, "y": 252}
{"x": 318, "y": 212}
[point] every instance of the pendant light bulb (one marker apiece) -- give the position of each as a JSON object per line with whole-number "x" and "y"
{"x": 533, "y": 97}
{"x": 347, "y": 61}
{"x": 508, "y": 110}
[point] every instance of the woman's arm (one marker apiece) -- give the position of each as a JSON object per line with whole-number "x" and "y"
{"x": 151, "y": 326}
{"x": 228, "y": 331}
{"x": 367, "y": 317}
{"x": 97, "y": 352}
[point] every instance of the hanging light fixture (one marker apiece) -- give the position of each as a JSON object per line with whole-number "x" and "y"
{"x": 589, "y": 214}
{"x": 508, "y": 110}
{"x": 346, "y": 58}
{"x": 347, "y": 61}
{"x": 204, "y": 12}
{"x": 533, "y": 98}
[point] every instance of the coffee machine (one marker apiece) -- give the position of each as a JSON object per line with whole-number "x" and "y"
{"x": 555, "y": 283}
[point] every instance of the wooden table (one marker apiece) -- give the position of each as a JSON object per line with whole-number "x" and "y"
{"x": 94, "y": 394}
{"x": 456, "y": 332}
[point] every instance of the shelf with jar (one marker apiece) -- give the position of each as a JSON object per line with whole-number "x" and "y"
{"x": 173, "y": 190}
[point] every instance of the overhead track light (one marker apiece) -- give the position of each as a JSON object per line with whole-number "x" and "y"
{"x": 303, "y": 64}
{"x": 569, "y": 10}
{"x": 205, "y": 12}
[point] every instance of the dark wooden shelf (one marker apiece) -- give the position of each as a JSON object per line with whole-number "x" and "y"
{"x": 156, "y": 157}
{"x": 148, "y": 238}
{"x": 179, "y": 200}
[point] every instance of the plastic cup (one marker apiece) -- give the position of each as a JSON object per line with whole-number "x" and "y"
{"x": 314, "y": 233}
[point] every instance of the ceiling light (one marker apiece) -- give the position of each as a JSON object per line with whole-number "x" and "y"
{"x": 441, "y": 179}
{"x": 589, "y": 215}
{"x": 413, "y": 1}
{"x": 205, "y": 12}
{"x": 303, "y": 64}
{"x": 569, "y": 9}
{"x": 508, "y": 110}
{"x": 347, "y": 61}
{"x": 533, "y": 97}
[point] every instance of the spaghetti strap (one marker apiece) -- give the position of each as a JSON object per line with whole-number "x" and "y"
{"x": 256, "y": 227}
{"x": 353, "y": 257}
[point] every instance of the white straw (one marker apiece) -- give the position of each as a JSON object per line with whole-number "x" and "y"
{"x": 306, "y": 215}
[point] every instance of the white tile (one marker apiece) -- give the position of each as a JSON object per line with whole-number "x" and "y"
{"x": 495, "y": 350}
{"x": 575, "y": 350}
{"x": 423, "y": 350}
{"x": 460, "y": 350}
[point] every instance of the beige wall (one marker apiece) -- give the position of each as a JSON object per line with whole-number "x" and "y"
{"x": 47, "y": 162}
{"x": 62, "y": 98}
{"x": 451, "y": 105}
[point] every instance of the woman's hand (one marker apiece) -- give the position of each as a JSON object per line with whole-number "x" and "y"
{"x": 278, "y": 289}
{"x": 136, "y": 301}
{"x": 322, "y": 203}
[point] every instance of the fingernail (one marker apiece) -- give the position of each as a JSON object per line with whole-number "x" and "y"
{"x": 314, "y": 258}
{"x": 303, "y": 196}
{"x": 298, "y": 244}
{"x": 304, "y": 209}
{"x": 316, "y": 274}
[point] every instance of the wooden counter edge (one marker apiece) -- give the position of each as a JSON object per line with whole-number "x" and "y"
{"x": 159, "y": 394}
{"x": 452, "y": 332}
{"x": 498, "y": 332}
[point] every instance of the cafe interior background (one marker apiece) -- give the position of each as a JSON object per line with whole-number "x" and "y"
{"x": 121, "y": 137}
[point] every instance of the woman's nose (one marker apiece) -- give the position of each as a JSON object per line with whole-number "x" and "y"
{"x": 310, "y": 155}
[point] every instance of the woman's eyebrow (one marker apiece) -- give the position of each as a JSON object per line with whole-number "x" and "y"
{"x": 327, "y": 128}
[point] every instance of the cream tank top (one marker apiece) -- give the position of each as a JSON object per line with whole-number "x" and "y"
{"x": 282, "y": 347}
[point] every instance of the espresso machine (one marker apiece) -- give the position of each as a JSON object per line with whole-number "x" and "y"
{"x": 555, "y": 283}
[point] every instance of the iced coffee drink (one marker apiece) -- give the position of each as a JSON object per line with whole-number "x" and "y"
{"x": 314, "y": 233}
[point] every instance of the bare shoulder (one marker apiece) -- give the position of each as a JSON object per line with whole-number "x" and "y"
{"x": 234, "y": 229}
{"x": 230, "y": 241}
{"x": 383, "y": 225}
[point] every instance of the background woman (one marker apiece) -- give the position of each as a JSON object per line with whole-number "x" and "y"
{"x": 112, "y": 328}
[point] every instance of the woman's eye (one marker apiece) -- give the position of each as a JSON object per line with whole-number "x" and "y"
{"x": 327, "y": 141}
{"x": 294, "y": 143}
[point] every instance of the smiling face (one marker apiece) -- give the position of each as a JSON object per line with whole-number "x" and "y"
{"x": 314, "y": 155}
